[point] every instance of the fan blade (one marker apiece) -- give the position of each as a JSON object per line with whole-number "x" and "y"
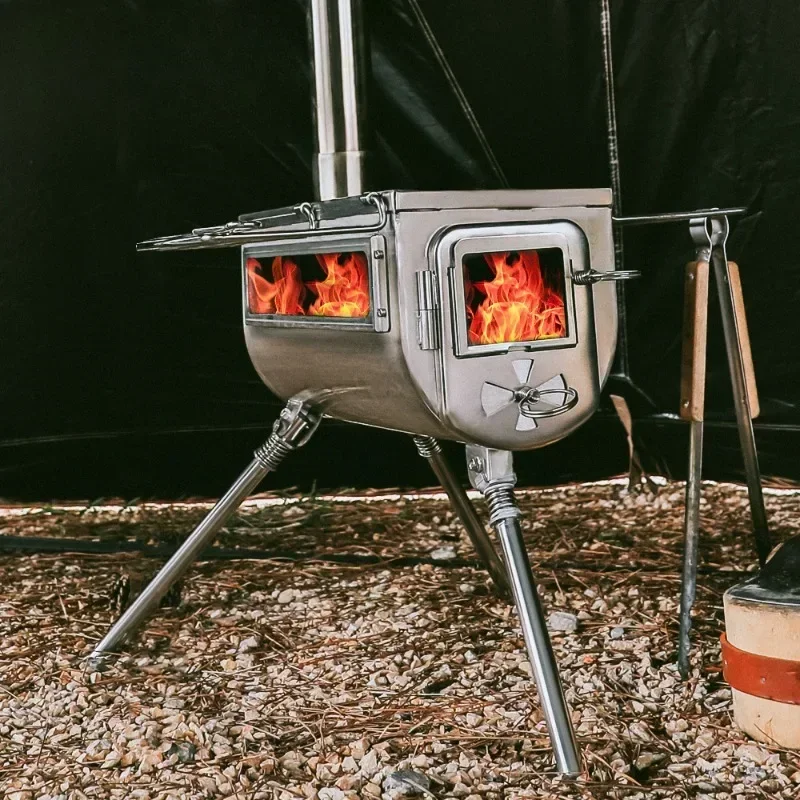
{"x": 556, "y": 382}
{"x": 522, "y": 368}
{"x": 526, "y": 423}
{"x": 495, "y": 398}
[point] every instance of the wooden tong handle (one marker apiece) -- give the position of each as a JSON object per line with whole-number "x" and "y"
{"x": 744, "y": 339}
{"x": 693, "y": 349}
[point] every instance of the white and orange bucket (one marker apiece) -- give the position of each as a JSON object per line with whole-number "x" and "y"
{"x": 761, "y": 661}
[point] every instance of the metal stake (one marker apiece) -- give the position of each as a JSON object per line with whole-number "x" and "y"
{"x": 293, "y": 428}
{"x": 693, "y": 390}
{"x": 492, "y": 473}
{"x": 430, "y": 449}
{"x": 712, "y": 232}
{"x": 690, "y": 543}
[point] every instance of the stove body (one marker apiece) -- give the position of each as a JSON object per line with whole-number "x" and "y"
{"x": 413, "y": 358}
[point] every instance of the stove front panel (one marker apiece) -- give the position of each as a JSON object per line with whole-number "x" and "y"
{"x": 499, "y": 390}
{"x": 519, "y": 360}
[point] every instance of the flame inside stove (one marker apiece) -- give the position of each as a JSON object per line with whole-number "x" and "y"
{"x": 518, "y": 305}
{"x": 344, "y": 291}
{"x": 284, "y": 294}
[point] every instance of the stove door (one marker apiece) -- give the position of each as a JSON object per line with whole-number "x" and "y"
{"x": 519, "y": 354}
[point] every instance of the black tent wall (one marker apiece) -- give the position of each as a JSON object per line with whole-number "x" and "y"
{"x": 126, "y": 375}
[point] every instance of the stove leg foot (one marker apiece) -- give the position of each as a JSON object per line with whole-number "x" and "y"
{"x": 429, "y": 449}
{"x": 492, "y": 473}
{"x": 295, "y": 426}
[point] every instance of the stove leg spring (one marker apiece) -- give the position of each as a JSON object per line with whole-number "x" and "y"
{"x": 429, "y": 449}
{"x": 293, "y": 428}
{"x": 492, "y": 473}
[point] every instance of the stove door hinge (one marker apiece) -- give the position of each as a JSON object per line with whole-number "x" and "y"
{"x": 428, "y": 327}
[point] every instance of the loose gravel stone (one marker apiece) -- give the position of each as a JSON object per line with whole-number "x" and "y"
{"x": 324, "y": 673}
{"x": 405, "y": 783}
{"x": 562, "y": 621}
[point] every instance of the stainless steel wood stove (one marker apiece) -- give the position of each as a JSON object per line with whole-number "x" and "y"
{"x": 487, "y": 318}
{"x": 484, "y": 317}
{"x": 471, "y": 316}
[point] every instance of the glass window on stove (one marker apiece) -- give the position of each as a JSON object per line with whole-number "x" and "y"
{"x": 515, "y": 296}
{"x": 309, "y": 285}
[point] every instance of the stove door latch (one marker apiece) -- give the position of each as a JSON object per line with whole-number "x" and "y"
{"x": 428, "y": 328}
{"x": 594, "y": 276}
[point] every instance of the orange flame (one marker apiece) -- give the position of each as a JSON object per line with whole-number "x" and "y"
{"x": 518, "y": 306}
{"x": 345, "y": 290}
{"x": 284, "y": 295}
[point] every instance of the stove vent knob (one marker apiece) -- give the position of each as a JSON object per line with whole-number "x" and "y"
{"x": 548, "y": 399}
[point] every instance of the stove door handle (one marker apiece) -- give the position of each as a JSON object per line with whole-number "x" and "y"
{"x": 593, "y": 276}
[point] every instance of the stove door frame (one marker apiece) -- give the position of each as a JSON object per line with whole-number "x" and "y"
{"x": 471, "y": 240}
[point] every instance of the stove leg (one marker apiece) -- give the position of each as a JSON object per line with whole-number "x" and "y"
{"x": 429, "y": 449}
{"x": 297, "y": 422}
{"x": 690, "y": 543}
{"x": 492, "y": 473}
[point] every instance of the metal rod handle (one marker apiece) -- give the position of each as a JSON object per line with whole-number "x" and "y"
{"x": 693, "y": 386}
{"x": 234, "y": 234}
{"x": 596, "y": 276}
{"x": 678, "y": 216}
{"x": 747, "y": 441}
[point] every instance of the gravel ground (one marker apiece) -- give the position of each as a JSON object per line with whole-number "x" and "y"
{"x": 371, "y": 659}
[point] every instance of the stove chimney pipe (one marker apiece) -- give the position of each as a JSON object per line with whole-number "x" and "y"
{"x": 337, "y": 39}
